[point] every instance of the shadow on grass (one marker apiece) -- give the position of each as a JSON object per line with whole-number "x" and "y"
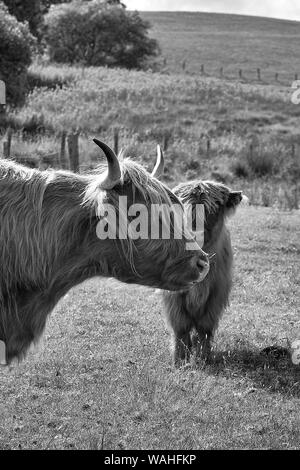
{"x": 270, "y": 369}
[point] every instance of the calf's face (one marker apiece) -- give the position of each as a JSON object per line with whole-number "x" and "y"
{"x": 219, "y": 202}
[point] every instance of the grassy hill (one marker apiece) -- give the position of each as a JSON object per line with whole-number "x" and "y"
{"x": 230, "y": 41}
{"x": 221, "y": 128}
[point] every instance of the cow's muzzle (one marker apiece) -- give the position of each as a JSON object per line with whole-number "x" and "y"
{"x": 203, "y": 267}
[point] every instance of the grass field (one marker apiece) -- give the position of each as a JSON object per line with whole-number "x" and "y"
{"x": 230, "y": 41}
{"x": 183, "y": 113}
{"x": 102, "y": 376}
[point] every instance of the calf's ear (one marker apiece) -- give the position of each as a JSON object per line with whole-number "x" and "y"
{"x": 234, "y": 199}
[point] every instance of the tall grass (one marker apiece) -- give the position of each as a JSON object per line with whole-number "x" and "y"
{"x": 206, "y": 125}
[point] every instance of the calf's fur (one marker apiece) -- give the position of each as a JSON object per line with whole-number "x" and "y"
{"x": 193, "y": 316}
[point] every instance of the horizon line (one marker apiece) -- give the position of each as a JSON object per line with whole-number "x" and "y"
{"x": 218, "y": 13}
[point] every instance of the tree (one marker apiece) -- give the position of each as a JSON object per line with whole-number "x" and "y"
{"x": 16, "y": 46}
{"x": 27, "y": 10}
{"x": 116, "y": 3}
{"x": 47, "y": 3}
{"x": 97, "y": 32}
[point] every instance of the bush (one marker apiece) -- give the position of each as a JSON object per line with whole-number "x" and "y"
{"x": 266, "y": 158}
{"x": 240, "y": 169}
{"x": 37, "y": 77}
{"x": 16, "y": 45}
{"x": 262, "y": 163}
{"x": 190, "y": 164}
{"x": 98, "y": 33}
{"x": 27, "y": 10}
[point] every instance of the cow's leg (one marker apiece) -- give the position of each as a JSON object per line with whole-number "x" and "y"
{"x": 202, "y": 342}
{"x": 18, "y": 345}
{"x": 182, "y": 345}
{"x": 181, "y": 325}
{"x": 29, "y": 313}
{"x": 207, "y": 323}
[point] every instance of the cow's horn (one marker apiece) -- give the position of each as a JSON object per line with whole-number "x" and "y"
{"x": 159, "y": 166}
{"x": 114, "y": 171}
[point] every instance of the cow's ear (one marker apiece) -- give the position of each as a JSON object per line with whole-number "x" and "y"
{"x": 234, "y": 199}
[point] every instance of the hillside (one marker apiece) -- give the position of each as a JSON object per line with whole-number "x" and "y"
{"x": 207, "y": 125}
{"x": 242, "y": 132}
{"x": 230, "y": 41}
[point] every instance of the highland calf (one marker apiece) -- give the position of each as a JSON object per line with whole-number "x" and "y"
{"x": 194, "y": 315}
{"x": 48, "y": 242}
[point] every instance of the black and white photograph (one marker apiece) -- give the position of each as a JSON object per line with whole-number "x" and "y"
{"x": 149, "y": 227}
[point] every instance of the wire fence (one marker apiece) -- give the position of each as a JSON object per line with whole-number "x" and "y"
{"x": 257, "y": 75}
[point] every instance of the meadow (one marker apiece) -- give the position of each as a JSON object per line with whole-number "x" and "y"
{"x": 233, "y": 42}
{"x": 240, "y": 131}
{"x": 102, "y": 376}
{"x": 235, "y": 132}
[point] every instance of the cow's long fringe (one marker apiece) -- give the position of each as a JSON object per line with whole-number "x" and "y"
{"x": 151, "y": 190}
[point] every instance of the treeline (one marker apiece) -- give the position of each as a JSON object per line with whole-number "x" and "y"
{"x": 86, "y": 32}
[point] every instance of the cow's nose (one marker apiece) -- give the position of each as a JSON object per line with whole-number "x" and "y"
{"x": 202, "y": 261}
{"x": 203, "y": 266}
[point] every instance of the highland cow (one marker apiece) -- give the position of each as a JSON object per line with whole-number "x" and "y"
{"x": 194, "y": 315}
{"x": 48, "y": 242}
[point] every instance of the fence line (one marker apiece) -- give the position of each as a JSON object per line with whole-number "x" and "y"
{"x": 55, "y": 159}
{"x": 72, "y": 160}
{"x": 240, "y": 73}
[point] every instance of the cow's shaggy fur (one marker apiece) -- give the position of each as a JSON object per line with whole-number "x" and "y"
{"x": 194, "y": 315}
{"x": 48, "y": 244}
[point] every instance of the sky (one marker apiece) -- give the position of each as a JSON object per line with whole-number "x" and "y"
{"x": 287, "y": 9}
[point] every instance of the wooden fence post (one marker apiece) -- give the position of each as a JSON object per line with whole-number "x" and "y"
{"x": 221, "y": 72}
{"x": 116, "y": 140}
{"x": 7, "y": 144}
{"x": 240, "y": 73}
{"x": 2, "y": 98}
{"x": 258, "y": 75}
{"x": 5, "y": 149}
{"x": 208, "y": 146}
{"x": 73, "y": 151}
{"x": 202, "y": 69}
{"x": 276, "y": 77}
{"x": 296, "y": 197}
{"x": 2, "y": 110}
{"x": 9, "y": 137}
{"x": 62, "y": 156}
{"x": 293, "y": 151}
{"x": 251, "y": 150}
{"x": 183, "y": 65}
{"x": 296, "y": 76}
{"x": 165, "y": 143}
